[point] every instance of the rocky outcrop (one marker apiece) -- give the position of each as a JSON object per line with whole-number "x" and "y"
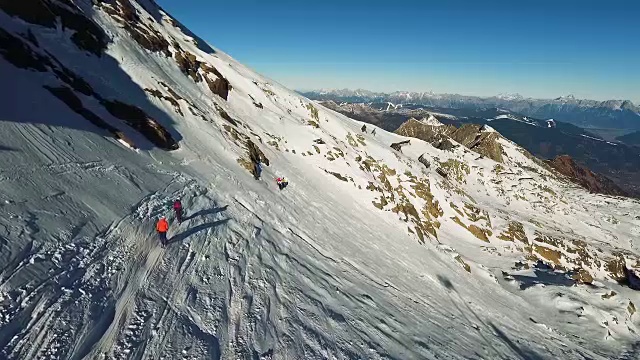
{"x": 198, "y": 71}
{"x": 143, "y": 123}
{"x": 481, "y": 139}
{"x": 584, "y": 177}
{"x": 220, "y": 86}
{"x": 419, "y": 130}
{"x": 123, "y": 12}
{"x": 188, "y": 64}
{"x": 398, "y": 146}
{"x": 254, "y": 154}
{"x": 68, "y": 96}
{"x": 478, "y": 138}
{"x": 86, "y": 34}
{"x": 26, "y": 55}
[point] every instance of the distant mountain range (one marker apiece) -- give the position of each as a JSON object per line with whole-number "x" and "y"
{"x": 610, "y": 114}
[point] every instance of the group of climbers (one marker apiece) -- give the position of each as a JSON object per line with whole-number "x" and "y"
{"x": 163, "y": 225}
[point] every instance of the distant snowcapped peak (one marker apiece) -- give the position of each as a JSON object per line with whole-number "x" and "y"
{"x": 569, "y": 97}
{"x": 487, "y": 128}
{"x": 505, "y": 96}
{"x": 431, "y": 120}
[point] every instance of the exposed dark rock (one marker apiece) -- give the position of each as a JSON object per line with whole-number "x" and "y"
{"x": 20, "y": 54}
{"x": 139, "y": 120}
{"x": 192, "y": 67}
{"x": 584, "y": 177}
{"x": 220, "y": 86}
{"x": 443, "y": 142}
{"x": 582, "y": 276}
{"x": 337, "y": 175}
{"x": 398, "y": 146}
{"x": 67, "y": 96}
{"x": 32, "y": 38}
{"x": 31, "y": 11}
{"x": 225, "y": 115}
{"x": 442, "y": 172}
{"x": 475, "y": 137}
{"x": 125, "y": 13}
{"x": 429, "y": 133}
{"x": 424, "y": 161}
{"x": 255, "y": 154}
{"x": 188, "y": 64}
{"x": 158, "y": 94}
{"x": 88, "y": 36}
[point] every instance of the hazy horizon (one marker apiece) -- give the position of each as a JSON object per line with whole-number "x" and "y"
{"x": 543, "y": 49}
{"x": 456, "y": 93}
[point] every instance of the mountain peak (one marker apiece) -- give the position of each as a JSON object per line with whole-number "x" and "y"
{"x": 431, "y": 120}
{"x": 506, "y": 96}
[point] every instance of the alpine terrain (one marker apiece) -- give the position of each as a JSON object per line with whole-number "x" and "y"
{"x": 610, "y": 114}
{"x": 382, "y": 246}
{"x": 547, "y": 139}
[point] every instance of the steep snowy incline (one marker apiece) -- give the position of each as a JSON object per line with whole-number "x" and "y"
{"x": 410, "y": 252}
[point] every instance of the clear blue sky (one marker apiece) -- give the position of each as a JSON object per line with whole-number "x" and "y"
{"x": 538, "y": 48}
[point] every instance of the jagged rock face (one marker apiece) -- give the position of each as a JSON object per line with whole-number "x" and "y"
{"x": 26, "y": 52}
{"x": 429, "y": 133}
{"x": 584, "y": 177}
{"x": 125, "y": 14}
{"x": 87, "y": 35}
{"x": 484, "y": 143}
{"x": 469, "y": 135}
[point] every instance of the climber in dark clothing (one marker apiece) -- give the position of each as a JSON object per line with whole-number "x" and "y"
{"x": 257, "y": 169}
{"x": 177, "y": 207}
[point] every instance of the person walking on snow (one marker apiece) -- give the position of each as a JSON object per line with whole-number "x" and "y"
{"x": 177, "y": 207}
{"x": 282, "y": 182}
{"x": 257, "y": 169}
{"x": 162, "y": 227}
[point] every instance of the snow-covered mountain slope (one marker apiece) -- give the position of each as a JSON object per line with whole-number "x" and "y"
{"x": 115, "y": 110}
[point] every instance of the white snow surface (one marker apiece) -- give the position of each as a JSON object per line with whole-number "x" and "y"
{"x": 315, "y": 271}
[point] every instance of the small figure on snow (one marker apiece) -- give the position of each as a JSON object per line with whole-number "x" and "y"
{"x": 282, "y": 182}
{"x": 257, "y": 169}
{"x": 177, "y": 207}
{"x": 373, "y": 132}
{"x": 162, "y": 227}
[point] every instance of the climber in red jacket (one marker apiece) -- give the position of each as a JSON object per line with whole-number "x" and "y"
{"x": 162, "y": 227}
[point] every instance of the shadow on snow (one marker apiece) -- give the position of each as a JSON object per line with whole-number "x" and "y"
{"x": 206, "y": 212}
{"x": 195, "y": 230}
{"x": 519, "y": 350}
